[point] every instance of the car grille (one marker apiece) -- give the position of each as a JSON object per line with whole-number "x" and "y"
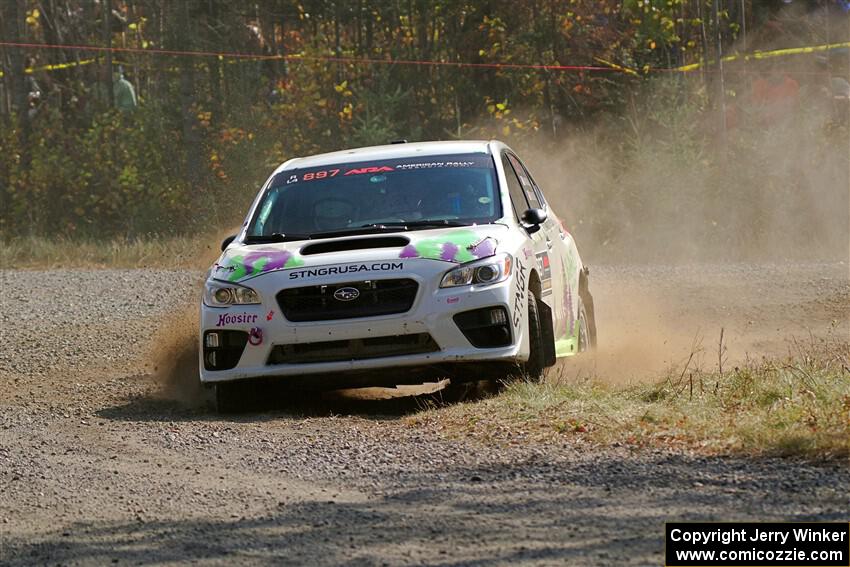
{"x": 353, "y": 349}
{"x": 376, "y": 297}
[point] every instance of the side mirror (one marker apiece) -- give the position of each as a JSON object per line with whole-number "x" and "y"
{"x": 226, "y": 242}
{"x": 534, "y": 217}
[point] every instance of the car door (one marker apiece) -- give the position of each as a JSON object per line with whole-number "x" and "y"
{"x": 562, "y": 257}
{"x": 523, "y": 199}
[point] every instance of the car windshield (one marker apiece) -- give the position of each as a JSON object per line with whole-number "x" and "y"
{"x": 420, "y": 192}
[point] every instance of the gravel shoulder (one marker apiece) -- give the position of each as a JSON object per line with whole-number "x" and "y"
{"x": 98, "y": 467}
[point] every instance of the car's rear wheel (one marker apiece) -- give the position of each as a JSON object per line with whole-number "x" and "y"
{"x": 583, "y": 328}
{"x": 586, "y": 321}
{"x": 536, "y": 363}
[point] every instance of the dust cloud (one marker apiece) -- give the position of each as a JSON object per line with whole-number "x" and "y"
{"x": 674, "y": 183}
{"x": 174, "y": 352}
{"x": 652, "y": 193}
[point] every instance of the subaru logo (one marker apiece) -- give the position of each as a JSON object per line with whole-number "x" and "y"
{"x": 346, "y": 294}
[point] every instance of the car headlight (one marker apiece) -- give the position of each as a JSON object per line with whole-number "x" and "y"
{"x": 482, "y": 272}
{"x": 218, "y": 294}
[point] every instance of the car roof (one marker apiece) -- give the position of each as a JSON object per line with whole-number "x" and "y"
{"x": 389, "y": 151}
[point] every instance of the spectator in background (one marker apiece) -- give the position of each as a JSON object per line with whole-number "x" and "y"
{"x": 34, "y": 92}
{"x": 777, "y": 96}
{"x": 125, "y": 94}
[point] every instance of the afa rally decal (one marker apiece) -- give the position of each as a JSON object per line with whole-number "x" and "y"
{"x": 458, "y": 247}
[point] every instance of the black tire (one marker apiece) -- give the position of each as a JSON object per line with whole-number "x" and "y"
{"x": 586, "y": 312}
{"x": 234, "y": 397}
{"x": 583, "y": 330}
{"x": 536, "y": 363}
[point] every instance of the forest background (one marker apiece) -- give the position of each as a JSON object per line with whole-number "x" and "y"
{"x": 660, "y": 129}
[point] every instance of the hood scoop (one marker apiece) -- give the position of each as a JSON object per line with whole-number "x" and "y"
{"x": 355, "y": 244}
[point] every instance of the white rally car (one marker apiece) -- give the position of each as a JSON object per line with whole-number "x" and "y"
{"x": 394, "y": 265}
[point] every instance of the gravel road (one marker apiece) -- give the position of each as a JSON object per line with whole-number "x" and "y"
{"x": 97, "y": 466}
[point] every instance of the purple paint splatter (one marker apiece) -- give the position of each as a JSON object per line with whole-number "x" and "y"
{"x": 449, "y": 251}
{"x": 276, "y": 260}
{"x": 484, "y": 249}
{"x": 409, "y": 251}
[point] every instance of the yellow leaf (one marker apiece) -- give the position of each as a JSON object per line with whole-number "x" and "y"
{"x": 133, "y": 26}
{"x": 500, "y": 105}
{"x": 482, "y": 52}
{"x": 506, "y": 130}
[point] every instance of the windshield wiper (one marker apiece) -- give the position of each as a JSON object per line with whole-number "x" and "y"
{"x": 424, "y": 223}
{"x": 435, "y": 222}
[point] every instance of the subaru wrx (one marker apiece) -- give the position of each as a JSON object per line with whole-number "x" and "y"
{"x": 394, "y": 264}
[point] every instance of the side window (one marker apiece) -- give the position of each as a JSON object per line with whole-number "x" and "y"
{"x": 525, "y": 180}
{"x": 540, "y": 196}
{"x": 514, "y": 188}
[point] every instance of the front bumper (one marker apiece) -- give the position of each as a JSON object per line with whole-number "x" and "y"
{"x": 432, "y": 313}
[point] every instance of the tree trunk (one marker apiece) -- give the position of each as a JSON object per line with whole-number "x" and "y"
{"x": 17, "y": 78}
{"x": 191, "y": 132}
{"x": 106, "y": 36}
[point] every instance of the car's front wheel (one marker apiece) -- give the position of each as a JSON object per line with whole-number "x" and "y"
{"x": 536, "y": 363}
{"x": 234, "y": 397}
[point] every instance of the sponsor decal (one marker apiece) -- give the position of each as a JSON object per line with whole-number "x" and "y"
{"x": 453, "y": 299}
{"x": 348, "y": 269}
{"x": 362, "y": 170}
{"x": 270, "y": 315}
{"x": 545, "y": 270}
{"x": 259, "y": 262}
{"x": 527, "y": 253}
{"x": 570, "y": 318}
{"x": 563, "y": 230}
{"x": 376, "y": 169}
{"x": 433, "y": 164}
{"x": 459, "y": 247}
{"x": 567, "y": 325}
{"x": 519, "y": 295}
{"x": 313, "y": 175}
{"x": 219, "y": 268}
{"x": 255, "y": 336}
{"x": 235, "y": 319}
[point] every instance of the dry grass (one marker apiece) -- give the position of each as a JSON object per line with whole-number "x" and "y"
{"x": 799, "y": 405}
{"x": 197, "y": 252}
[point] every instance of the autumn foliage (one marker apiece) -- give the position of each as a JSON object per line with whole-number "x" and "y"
{"x": 274, "y": 79}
